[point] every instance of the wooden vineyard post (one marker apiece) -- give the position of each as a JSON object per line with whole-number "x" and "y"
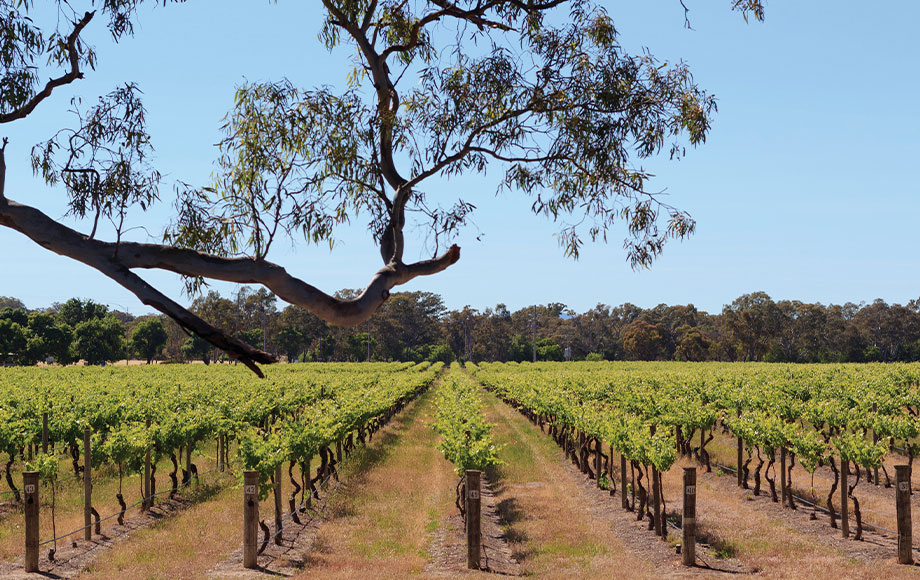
{"x": 188, "y": 462}
{"x": 611, "y": 484}
{"x": 30, "y": 488}
{"x": 250, "y": 519}
{"x": 623, "y": 500}
{"x": 598, "y": 464}
{"x": 473, "y": 521}
{"x": 220, "y": 453}
{"x": 87, "y": 486}
{"x": 875, "y": 442}
{"x": 688, "y": 525}
{"x": 148, "y": 501}
{"x": 782, "y": 476}
{"x": 45, "y": 433}
{"x": 844, "y": 512}
{"x": 278, "y": 522}
{"x": 656, "y": 501}
{"x": 308, "y": 489}
{"x": 902, "y": 495}
{"x": 741, "y": 459}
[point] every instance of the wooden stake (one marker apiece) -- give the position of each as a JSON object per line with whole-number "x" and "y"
{"x": 782, "y": 476}
{"x": 844, "y": 491}
{"x": 623, "y": 500}
{"x": 30, "y": 488}
{"x": 610, "y": 471}
{"x": 87, "y": 486}
{"x": 473, "y": 522}
{"x": 45, "y": 433}
{"x": 148, "y": 501}
{"x": 741, "y": 459}
{"x": 656, "y": 501}
{"x": 278, "y": 522}
{"x": 905, "y": 534}
{"x": 188, "y": 462}
{"x": 688, "y": 524}
{"x": 874, "y": 441}
{"x": 250, "y": 519}
{"x": 598, "y": 465}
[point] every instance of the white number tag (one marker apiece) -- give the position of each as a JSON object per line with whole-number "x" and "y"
{"x": 690, "y": 490}
{"x": 30, "y": 488}
{"x": 249, "y": 489}
{"x": 474, "y": 494}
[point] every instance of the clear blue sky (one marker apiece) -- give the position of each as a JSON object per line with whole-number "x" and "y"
{"x": 806, "y": 188}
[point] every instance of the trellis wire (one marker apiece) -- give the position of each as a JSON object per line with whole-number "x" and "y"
{"x": 142, "y": 500}
{"x": 822, "y": 508}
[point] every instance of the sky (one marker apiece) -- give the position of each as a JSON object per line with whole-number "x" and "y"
{"x": 805, "y": 188}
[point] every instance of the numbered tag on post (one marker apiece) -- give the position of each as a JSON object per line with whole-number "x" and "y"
{"x": 690, "y": 490}
{"x": 474, "y": 494}
{"x": 904, "y": 486}
{"x": 30, "y": 488}
{"x": 249, "y": 489}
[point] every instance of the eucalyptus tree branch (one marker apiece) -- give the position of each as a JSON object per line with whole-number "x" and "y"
{"x": 116, "y": 261}
{"x": 73, "y": 74}
{"x": 3, "y": 168}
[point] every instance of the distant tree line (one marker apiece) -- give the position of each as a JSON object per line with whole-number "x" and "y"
{"x": 416, "y": 326}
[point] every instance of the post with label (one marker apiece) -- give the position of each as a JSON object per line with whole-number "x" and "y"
{"x": 30, "y": 487}
{"x": 473, "y": 520}
{"x": 905, "y": 534}
{"x": 250, "y": 519}
{"x": 87, "y": 486}
{"x": 688, "y": 525}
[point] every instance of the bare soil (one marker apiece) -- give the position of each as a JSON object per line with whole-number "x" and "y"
{"x": 448, "y": 543}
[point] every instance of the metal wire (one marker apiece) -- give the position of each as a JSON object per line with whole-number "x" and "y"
{"x": 822, "y": 508}
{"x": 116, "y": 514}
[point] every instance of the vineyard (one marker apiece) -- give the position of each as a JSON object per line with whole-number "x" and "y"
{"x": 584, "y": 464}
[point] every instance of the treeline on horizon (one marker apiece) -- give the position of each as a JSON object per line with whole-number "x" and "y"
{"x": 416, "y": 326}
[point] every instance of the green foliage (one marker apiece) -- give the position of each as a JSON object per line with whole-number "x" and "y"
{"x": 13, "y": 339}
{"x": 75, "y": 311}
{"x": 99, "y": 340}
{"x": 48, "y": 338}
{"x": 813, "y": 411}
{"x": 466, "y": 437}
{"x": 47, "y": 465}
{"x": 149, "y": 339}
{"x": 197, "y": 348}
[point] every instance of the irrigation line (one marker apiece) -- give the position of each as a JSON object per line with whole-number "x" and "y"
{"x": 116, "y": 514}
{"x": 822, "y": 508}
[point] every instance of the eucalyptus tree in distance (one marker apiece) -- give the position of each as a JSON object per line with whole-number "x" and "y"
{"x": 539, "y": 89}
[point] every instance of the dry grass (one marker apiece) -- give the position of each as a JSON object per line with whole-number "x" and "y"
{"x": 555, "y": 535}
{"x": 877, "y": 504}
{"x": 69, "y": 500}
{"x": 181, "y": 547}
{"x": 395, "y": 493}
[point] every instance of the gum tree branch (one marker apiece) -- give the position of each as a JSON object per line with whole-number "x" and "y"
{"x": 73, "y": 74}
{"x": 117, "y": 260}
